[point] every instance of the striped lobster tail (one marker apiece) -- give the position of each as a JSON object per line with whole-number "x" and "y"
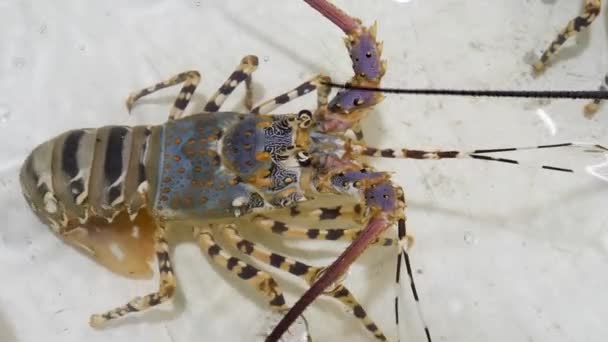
{"x": 87, "y": 173}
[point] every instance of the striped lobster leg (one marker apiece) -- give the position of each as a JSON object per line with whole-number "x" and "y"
{"x": 242, "y": 73}
{"x": 592, "y": 107}
{"x": 191, "y": 79}
{"x": 259, "y": 279}
{"x": 318, "y": 83}
{"x": 306, "y": 272}
{"x": 574, "y": 26}
{"x": 293, "y": 231}
{"x": 166, "y": 287}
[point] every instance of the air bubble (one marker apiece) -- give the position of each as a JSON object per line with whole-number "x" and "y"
{"x": 5, "y": 113}
{"x": 455, "y": 306}
{"x": 19, "y": 62}
{"x": 266, "y": 58}
{"x": 469, "y": 238}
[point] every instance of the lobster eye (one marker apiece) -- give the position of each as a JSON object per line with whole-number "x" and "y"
{"x": 304, "y": 118}
{"x": 304, "y": 114}
{"x": 303, "y": 158}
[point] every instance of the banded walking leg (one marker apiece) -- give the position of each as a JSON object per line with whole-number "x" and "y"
{"x": 242, "y": 73}
{"x": 260, "y": 280}
{"x": 164, "y": 293}
{"x": 191, "y": 79}
{"x": 327, "y": 212}
{"x": 306, "y": 272}
{"x": 592, "y": 107}
{"x": 590, "y": 12}
{"x": 293, "y": 231}
{"x": 318, "y": 83}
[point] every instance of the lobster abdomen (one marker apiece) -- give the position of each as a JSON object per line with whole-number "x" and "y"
{"x": 87, "y": 173}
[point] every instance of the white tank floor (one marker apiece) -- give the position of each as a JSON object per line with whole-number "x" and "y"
{"x": 503, "y": 253}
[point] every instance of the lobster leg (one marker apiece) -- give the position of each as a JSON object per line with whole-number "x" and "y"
{"x": 385, "y": 204}
{"x": 242, "y": 73}
{"x": 323, "y": 213}
{"x": 592, "y": 107}
{"x": 290, "y": 230}
{"x": 255, "y": 277}
{"x": 166, "y": 288}
{"x": 306, "y": 272}
{"x": 318, "y": 83}
{"x": 331, "y": 274}
{"x": 574, "y": 26}
{"x": 191, "y": 79}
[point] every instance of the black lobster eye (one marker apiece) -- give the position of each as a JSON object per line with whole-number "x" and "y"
{"x": 305, "y": 114}
{"x": 303, "y": 158}
{"x": 304, "y": 118}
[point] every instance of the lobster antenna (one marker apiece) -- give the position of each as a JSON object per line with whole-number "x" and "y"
{"x": 550, "y": 94}
{"x": 404, "y": 244}
{"x": 599, "y": 171}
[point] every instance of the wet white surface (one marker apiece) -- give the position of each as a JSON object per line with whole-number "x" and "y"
{"x": 502, "y": 253}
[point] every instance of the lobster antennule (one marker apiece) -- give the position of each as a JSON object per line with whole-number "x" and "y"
{"x": 478, "y": 154}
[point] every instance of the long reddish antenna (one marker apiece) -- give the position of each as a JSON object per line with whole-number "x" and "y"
{"x": 345, "y": 22}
